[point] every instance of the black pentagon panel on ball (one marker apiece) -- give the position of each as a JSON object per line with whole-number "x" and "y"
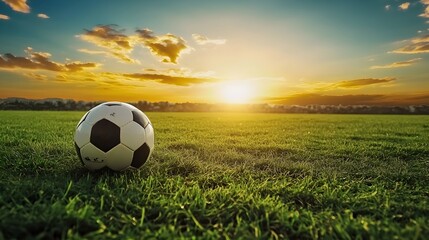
{"x": 140, "y": 119}
{"x": 105, "y": 135}
{"x": 140, "y": 156}
{"x": 78, "y": 153}
{"x": 113, "y": 104}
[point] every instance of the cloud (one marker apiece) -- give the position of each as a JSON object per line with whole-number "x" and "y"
{"x": 42, "y": 15}
{"x": 40, "y": 60}
{"x": 81, "y": 71}
{"x": 355, "y": 83}
{"x": 404, "y": 6}
{"x": 425, "y": 14}
{"x": 119, "y": 45}
{"x": 168, "y": 78}
{"x": 359, "y": 83}
{"x": 398, "y": 64}
{"x": 202, "y": 40}
{"x": 18, "y": 5}
{"x": 168, "y": 46}
{"x": 387, "y": 7}
{"x": 415, "y": 45}
{"x": 362, "y": 99}
{"x": 36, "y": 76}
{"x": 84, "y": 50}
{"x": 4, "y": 17}
{"x": 108, "y": 37}
{"x": 79, "y": 66}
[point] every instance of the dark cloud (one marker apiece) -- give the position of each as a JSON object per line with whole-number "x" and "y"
{"x": 398, "y": 64}
{"x": 40, "y": 60}
{"x": 168, "y": 46}
{"x": 146, "y": 33}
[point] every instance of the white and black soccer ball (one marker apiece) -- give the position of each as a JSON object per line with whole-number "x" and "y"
{"x": 115, "y": 135}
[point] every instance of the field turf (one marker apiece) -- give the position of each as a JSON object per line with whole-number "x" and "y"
{"x": 222, "y": 176}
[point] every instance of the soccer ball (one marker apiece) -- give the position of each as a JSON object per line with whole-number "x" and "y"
{"x": 115, "y": 135}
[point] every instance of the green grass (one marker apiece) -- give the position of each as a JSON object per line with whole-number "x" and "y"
{"x": 222, "y": 176}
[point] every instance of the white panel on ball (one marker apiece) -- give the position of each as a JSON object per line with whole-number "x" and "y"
{"x": 131, "y": 107}
{"x": 147, "y": 119}
{"x": 133, "y": 135}
{"x": 82, "y": 119}
{"x": 82, "y": 134}
{"x": 150, "y": 136}
{"x": 93, "y": 157}
{"x": 96, "y": 114}
{"x": 119, "y": 158}
{"x": 119, "y": 115}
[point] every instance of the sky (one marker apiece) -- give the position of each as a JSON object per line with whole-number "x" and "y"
{"x": 368, "y": 52}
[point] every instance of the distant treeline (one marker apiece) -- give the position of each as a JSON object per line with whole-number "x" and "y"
{"x": 72, "y": 105}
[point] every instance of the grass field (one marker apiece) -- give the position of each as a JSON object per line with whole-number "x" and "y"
{"x": 222, "y": 175}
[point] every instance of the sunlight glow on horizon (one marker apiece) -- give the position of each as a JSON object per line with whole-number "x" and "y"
{"x": 237, "y": 93}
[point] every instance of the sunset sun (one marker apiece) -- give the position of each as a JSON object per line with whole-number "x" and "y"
{"x": 237, "y": 93}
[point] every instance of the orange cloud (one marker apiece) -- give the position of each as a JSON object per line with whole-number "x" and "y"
{"x": 4, "y": 17}
{"x": 415, "y": 45}
{"x": 177, "y": 77}
{"x": 203, "y": 40}
{"x": 18, "y": 5}
{"x": 404, "y": 6}
{"x": 168, "y": 46}
{"x": 40, "y": 60}
{"x": 36, "y": 76}
{"x": 356, "y": 83}
{"x": 42, "y": 15}
{"x": 79, "y": 66}
{"x": 108, "y": 37}
{"x": 398, "y": 64}
{"x": 425, "y": 14}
